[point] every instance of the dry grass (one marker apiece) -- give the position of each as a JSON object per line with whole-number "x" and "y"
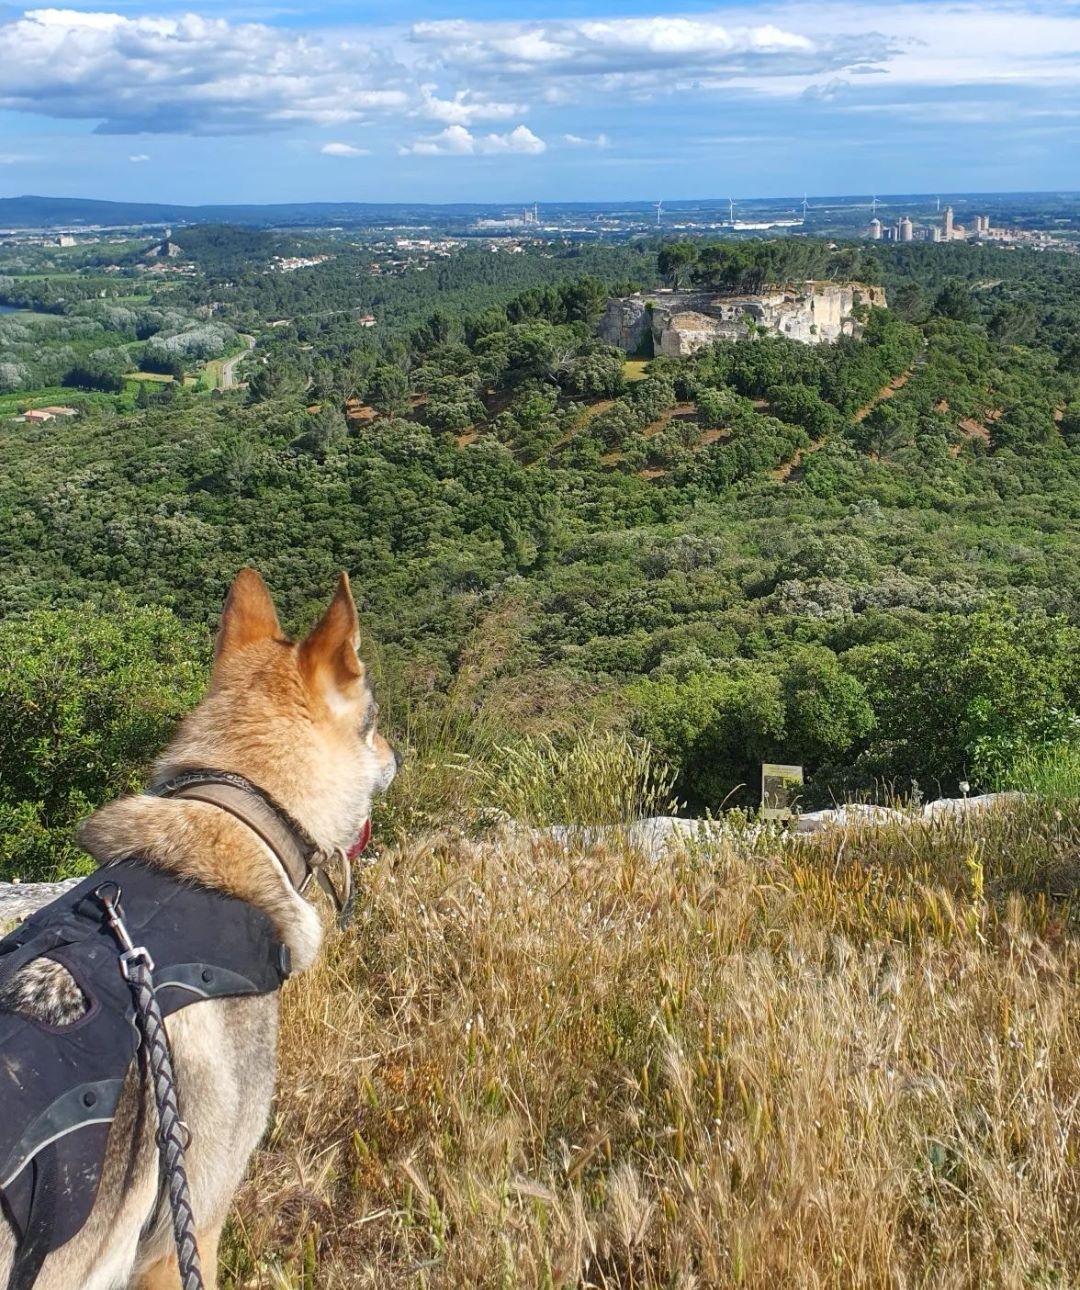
{"x": 854, "y": 1062}
{"x": 597, "y": 777}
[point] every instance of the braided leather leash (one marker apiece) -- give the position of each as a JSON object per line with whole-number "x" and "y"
{"x": 137, "y": 968}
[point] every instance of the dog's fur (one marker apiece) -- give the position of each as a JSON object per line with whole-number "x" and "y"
{"x": 299, "y": 721}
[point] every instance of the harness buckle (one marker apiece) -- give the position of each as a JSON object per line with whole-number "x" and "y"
{"x": 131, "y": 957}
{"x": 341, "y": 897}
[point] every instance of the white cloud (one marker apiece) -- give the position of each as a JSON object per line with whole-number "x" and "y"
{"x": 792, "y": 46}
{"x": 13, "y": 158}
{"x": 973, "y": 42}
{"x": 457, "y": 141}
{"x": 139, "y": 157}
{"x": 188, "y": 74}
{"x": 343, "y": 150}
{"x": 828, "y": 91}
{"x": 579, "y": 141}
{"x": 637, "y": 53}
{"x": 191, "y": 75}
{"x": 520, "y": 139}
{"x": 466, "y": 107}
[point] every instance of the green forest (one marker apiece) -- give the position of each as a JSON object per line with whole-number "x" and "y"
{"x": 859, "y": 556}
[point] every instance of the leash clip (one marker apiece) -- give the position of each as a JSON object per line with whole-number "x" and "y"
{"x": 109, "y": 895}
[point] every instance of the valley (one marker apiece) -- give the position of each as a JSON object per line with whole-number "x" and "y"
{"x": 738, "y": 554}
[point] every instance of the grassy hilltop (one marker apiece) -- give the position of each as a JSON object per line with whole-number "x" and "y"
{"x": 850, "y": 1062}
{"x": 594, "y": 587}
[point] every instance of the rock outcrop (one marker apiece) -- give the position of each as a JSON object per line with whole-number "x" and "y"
{"x": 651, "y": 836}
{"x": 654, "y": 835}
{"x": 20, "y": 899}
{"x": 678, "y": 323}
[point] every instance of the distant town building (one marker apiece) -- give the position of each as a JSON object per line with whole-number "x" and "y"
{"x": 947, "y": 229}
{"x": 290, "y": 263}
{"x": 503, "y": 225}
{"x": 902, "y": 231}
{"x": 65, "y": 239}
{"x": 41, "y": 416}
{"x": 166, "y": 249}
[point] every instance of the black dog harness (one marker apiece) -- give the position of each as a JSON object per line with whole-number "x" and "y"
{"x": 60, "y": 1085}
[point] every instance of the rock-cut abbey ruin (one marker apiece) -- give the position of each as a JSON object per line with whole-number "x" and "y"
{"x": 678, "y": 323}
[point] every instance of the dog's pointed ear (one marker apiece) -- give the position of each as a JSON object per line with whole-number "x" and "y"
{"x": 249, "y": 615}
{"x": 328, "y": 655}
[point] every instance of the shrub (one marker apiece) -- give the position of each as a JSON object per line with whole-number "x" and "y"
{"x": 600, "y": 777}
{"x": 87, "y": 698}
{"x": 971, "y": 696}
{"x": 1052, "y": 773}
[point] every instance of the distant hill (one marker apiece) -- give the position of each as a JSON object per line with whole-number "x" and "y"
{"x": 65, "y": 212}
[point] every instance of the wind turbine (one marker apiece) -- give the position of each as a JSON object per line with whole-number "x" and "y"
{"x": 874, "y": 206}
{"x": 659, "y": 212}
{"x": 731, "y": 210}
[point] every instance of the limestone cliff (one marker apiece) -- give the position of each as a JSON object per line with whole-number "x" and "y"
{"x": 678, "y": 323}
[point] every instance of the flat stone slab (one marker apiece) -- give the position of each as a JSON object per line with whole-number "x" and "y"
{"x": 853, "y": 816}
{"x": 969, "y": 805}
{"x": 652, "y": 836}
{"x": 19, "y": 899}
{"x": 655, "y": 835}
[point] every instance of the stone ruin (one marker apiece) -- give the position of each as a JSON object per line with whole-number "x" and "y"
{"x": 679, "y": 323}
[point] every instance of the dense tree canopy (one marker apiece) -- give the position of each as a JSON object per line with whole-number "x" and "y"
{"x": 860, "y": 556}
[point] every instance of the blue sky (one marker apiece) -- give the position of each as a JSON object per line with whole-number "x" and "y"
{"x": 489, "y": 100}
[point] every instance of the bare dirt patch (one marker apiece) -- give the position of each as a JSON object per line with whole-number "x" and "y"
{"x": 792, "y": 471}
{"x": 886, "y": 392}
{"x": 357, "y": 411}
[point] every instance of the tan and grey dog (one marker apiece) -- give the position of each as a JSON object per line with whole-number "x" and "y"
{"x": 299, "y": 720}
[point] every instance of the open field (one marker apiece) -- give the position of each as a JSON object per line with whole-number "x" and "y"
{"x": 13, "y": 404}
{"x": 854, "y": 1061}
{"x": 30, "y": 316}
{"x": 220, "y": 373}
{"x": 211, "y": 375}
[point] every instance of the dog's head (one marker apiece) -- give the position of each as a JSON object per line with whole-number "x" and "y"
{"x": 297, "y": 718}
